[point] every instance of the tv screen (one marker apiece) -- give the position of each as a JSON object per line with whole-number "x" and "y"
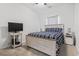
{"x": 15, "y": 27}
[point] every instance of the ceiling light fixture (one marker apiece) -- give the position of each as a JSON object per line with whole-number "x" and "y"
{"x": 40, "y": 4}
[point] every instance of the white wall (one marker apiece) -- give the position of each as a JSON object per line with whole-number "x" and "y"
{"x": 76, "y": 25}
{"x": 65, "y": 12}
{"x": 16, "y": 13}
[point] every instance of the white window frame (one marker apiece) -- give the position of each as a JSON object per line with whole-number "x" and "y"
{"x": 53, "y": 16}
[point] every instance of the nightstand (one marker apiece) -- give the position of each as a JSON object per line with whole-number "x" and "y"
{"x": 70, "y": 39}
{"x": 69, "y": 48}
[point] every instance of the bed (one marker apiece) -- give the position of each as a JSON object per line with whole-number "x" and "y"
{"x": 48, "y": 41}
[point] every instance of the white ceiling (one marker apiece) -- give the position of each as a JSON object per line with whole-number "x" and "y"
{"x": 45, "y": 9}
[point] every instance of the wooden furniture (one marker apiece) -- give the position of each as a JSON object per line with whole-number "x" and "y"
{"x": 47, "y": 46}
{"x": 70, "y": 39}
{"x": 13, "y": 37}
{"x": 44, "y": 45}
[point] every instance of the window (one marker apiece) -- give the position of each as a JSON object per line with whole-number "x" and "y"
{"x": 53, "y": 20}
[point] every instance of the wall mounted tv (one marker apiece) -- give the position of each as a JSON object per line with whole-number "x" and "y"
{"x": 15, "y": 27}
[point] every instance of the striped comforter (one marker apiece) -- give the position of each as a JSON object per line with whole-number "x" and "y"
{"x": 51, "y": 33}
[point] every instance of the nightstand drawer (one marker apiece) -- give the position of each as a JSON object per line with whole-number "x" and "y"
{"x": 68, "y": 41}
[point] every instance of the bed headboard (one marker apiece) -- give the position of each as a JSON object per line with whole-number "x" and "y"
{"x": 55, "y": 26}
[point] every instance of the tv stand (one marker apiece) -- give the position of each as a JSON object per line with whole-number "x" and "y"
{"x": 14, "y": 37}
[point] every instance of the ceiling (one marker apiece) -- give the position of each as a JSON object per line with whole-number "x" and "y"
{"x": 44, "y": 9}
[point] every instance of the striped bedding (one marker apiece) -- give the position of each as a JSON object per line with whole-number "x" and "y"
{"x": 44, "y": 34}
{"x": 58, "y": 36}
{"x": 51, "y": 33}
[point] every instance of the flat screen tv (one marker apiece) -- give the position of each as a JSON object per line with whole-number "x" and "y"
{"x": 15, "y": 27}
